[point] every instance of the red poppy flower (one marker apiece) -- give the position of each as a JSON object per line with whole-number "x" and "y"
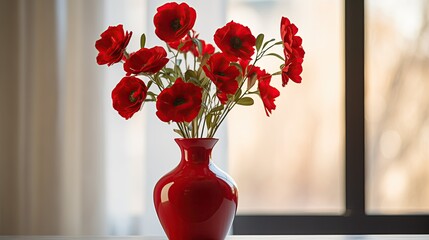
{"x": 268, "y": 93}
{"x": 128, "y": 96}
{"x": 179, "y": 103}
{"x": 223, "y": 75}
{"x": 173, "y": 21}
{"x": 291, "y": 42}
{"x": 236, "y": 40}
{"x": 293, "y": 51}
{"x": 112, "y": 44}
{"x": 292, "y": 70}
{"x": 146, "y": 60}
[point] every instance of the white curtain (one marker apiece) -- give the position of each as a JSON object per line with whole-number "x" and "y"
{"x": 69, "y": 165}
{"x": 52, "y": 145}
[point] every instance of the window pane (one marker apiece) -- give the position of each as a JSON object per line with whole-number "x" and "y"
{"x": 292, "y": 162}
{"x": 397, "y": 106}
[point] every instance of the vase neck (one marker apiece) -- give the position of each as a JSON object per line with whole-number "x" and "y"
{"x": 196, "y": 150}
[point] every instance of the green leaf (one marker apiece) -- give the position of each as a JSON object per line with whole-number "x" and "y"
{"x": 149, "y": 84}
{"x": 197, "y": 42}
{"x": 200, "y": 70}
{"x": 237, "y": 94}
{"x": 251, "y": 81}
{"x": 150, "y": 93}
{"x": 190, "y": 74}
{"x": 276, "y": 55}
{"x": 204, "y": 82}
{"x": 142, "y": 40}
{"x": 171, "y": 80}
{"x": 217, "y": 109}
{"x": 278, "y": 43}
{"x": 181, "y": 44}
{"x": 209, "y": 121}
{"x": 246, "y": 101}
{"x": 167, "y": 72}
{"x": 177, "y": 70}
{"x": 265, "y": 44}
{"x": 204, "y": 59}
{"x": 259, "y": 40}
{"x": 178, "y": 132}
{"x": 277, "y": 73}
{"x": 151, "y": 97}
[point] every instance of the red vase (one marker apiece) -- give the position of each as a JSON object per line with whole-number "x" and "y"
{"x": 196, "y": 200}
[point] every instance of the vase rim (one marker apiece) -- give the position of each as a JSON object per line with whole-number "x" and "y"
{"x": 196, "y": 142}
{"x": 196, "y": 139}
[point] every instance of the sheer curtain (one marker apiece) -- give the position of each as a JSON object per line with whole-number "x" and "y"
{"x": 69, "y": 164}
{"x": 52, "y": 138}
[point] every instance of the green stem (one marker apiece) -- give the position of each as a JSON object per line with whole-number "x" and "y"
{"x": 204, "y": 124}
{"x": 185, "y": 56}
{"x": 183, "y": 129}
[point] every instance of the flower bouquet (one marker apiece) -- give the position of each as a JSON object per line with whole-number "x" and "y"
{"x": 196, "y": 85}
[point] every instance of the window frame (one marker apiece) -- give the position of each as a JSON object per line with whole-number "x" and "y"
{"x": 354, "y": 220}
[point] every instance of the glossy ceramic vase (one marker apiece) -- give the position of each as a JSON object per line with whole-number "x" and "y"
{"x": 196, "y": 200}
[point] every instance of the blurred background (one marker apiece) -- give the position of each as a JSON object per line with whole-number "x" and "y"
{"x": 69, "y": 164}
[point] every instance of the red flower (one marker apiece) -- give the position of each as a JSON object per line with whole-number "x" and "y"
{"x": 292, "y": 70}
{"x": 173, "y": 21}
{"x": 236, "y": 40}
{"x": 179, "y": 103}
{"x": 146, "y": 60}
{"x": 223, "y": 75}
{"x": 291, "y": 42}
{"x": 293, "y": 51}
{"x": 268, "y": 93}
{"x": 128, "y": 96}
{"x": 111, "y": 45}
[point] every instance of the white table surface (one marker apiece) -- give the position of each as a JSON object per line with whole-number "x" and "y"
{"x": 260, "y": 237}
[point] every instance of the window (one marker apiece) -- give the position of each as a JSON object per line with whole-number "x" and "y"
{"x": 272, "y": 175}
{"x": 359, "y": 214}
{"x": 397, "y": 119}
